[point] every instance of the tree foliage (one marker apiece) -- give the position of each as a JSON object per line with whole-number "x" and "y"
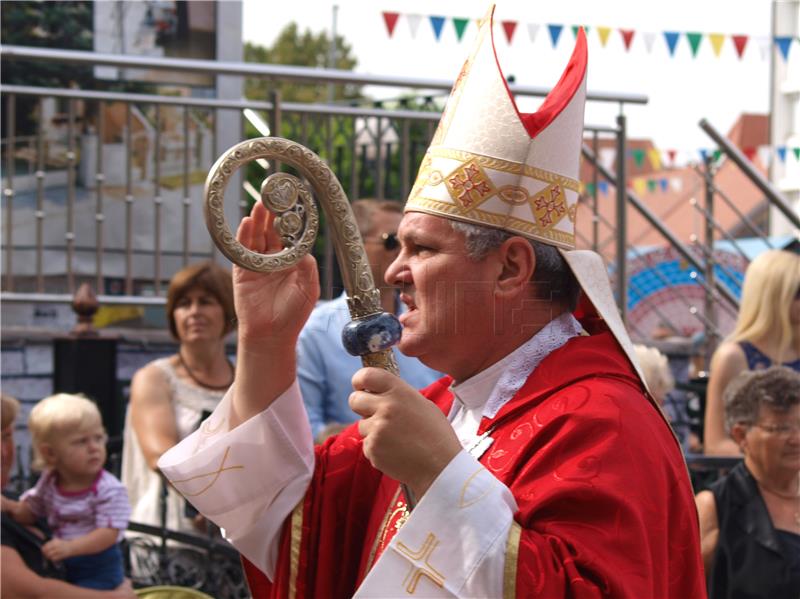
{"x": 307, "y": 49}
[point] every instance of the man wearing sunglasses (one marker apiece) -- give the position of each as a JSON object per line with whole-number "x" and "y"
{"x": 324, "y": 368}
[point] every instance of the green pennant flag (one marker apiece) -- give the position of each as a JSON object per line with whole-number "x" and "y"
{"x": 590, "y": 189}
{"x": 638, "y": 157}
{"x": 694, "y": 41}
{"x": 717, "y": 155}
{"x": 576, "y": 27}
{"x": 651, "y": 185}
{"x": 796, "y": 153}
{"x": 460, "y": 25}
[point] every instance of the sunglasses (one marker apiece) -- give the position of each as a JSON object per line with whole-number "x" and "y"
{"x": 390, "y": 241}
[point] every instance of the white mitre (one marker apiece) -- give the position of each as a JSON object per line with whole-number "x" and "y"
{"x": 489, "y": 164}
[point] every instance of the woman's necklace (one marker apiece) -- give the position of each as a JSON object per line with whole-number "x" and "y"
{"x": 201, "y": 383}
{"x": 795, "y": 496}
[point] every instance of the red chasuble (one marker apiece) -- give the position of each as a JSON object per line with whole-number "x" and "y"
{"x": 606, "y": 508}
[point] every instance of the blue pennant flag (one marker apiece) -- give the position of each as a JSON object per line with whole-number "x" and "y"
{"x": 781, "y": 153}
{"x": 603, "y": 187}
{"x": 437, "y": 23}
{"x": 555, "y": 33}
{"x": 784, "y": 43}
{"x": 703, "y": 155}
{"x": 672, "y": 40}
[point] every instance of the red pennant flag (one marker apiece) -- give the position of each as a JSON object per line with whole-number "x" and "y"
{"x": 750, "y": 153}
{"x": 671, "y": 154}
{"x": 739, "y": 41}
{"x": 509, "y": 27}
{"x": 390, "y": 18}
{"x": 627, "y": 37}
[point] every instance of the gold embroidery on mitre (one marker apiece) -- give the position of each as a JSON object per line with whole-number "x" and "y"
{"x": 417, "y": 571}
{"x": 469, "y": 186}
{"x": 549, "y": 206}
{"x": 513, "y": 194}
{"x": 215, "y": 474}
{"x": 509, "y": 223}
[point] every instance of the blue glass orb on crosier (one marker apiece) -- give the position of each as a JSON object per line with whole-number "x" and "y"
{"x": 371, "y": 334}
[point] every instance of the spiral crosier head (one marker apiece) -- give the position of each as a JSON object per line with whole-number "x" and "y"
{"x": 372, "y": 332}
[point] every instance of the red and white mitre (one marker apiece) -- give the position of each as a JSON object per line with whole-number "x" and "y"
{"x": 489, "y": 164}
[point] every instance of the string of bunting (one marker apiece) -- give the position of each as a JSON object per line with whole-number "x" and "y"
{"x": 627, "y": 37}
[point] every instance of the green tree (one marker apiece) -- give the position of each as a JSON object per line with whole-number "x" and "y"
{"x": 305, "y": 49}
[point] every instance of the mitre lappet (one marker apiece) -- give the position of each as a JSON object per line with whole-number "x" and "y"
{"x": 489, "y": 164}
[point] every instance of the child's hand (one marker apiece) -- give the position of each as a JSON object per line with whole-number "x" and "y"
{"x": 57, "y": 550}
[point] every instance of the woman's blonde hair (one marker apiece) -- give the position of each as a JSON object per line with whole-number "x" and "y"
{"x": 9, "y": 408}
{"x": 655, "y": 368}
{"x": 771, "y": 284}
{"x": 56, "y": 415}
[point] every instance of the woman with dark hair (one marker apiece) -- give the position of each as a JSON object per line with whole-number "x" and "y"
{"x": 750, "y": 519}
{"x": 170, "y": 396}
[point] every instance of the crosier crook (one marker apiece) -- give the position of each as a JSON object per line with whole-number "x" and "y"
{"x": 372, "y": 332}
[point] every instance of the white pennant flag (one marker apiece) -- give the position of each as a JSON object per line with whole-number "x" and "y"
{"x": 413, "y": 24}
{"x": 677, "y": 183}
{"x": 764, "y": 155}
{"x": 764, "y": 46}
{"x": 649, "y": 39}
{"x": 533, "y": 29}
{"x": 607, "y": 156}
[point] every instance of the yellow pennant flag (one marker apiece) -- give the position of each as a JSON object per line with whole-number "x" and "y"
{"x": 655, "y": 158}
{"x": 716, "y": 40}
{"x": 640, "y": 185}
{"x": 603, "y": 32}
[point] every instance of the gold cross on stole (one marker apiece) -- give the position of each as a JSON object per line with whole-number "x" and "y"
{"x": 421, "y": 567}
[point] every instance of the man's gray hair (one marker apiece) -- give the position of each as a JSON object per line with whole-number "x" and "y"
{"x": 551, "y": 268}
{"x": 777, "y": 387}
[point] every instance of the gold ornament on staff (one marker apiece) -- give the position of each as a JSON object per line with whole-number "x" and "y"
{"x": 372, "y": 331}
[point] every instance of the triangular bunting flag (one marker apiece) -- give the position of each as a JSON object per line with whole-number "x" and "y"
{"x": 390, "y": 18}
{"x": 509, "y": 27}
{"x": 781, "y": 153}
{"x": 655, "y": 158}
{"x": 649, "y": 39}
{"x": 590, "y": 189}
{"x": 671, "y": 154}
{"x": 764, "y": 155}
{"x": 784, "y": 44}
{"x": 602, "y": 33}
{"x": 694, "y": 41}
{"x": 651, "y": 185}
{"x": 555, "y": 33}
{"x": 703, "y": 155}
{"x": 576, "y": 28}
{"x": 671, "y": 38}
{"x": 639, "y": 185}
{"x": 796, "y": 152}
{"x": 638, "y": 156}
{"x": 603, "y": 187}
{"x": 739, "y": 42}
{"x": 764, "y": 46}
{"x": 460, "y": 25}
{"x": 437, "y": 23}
{"x": 627, "y": 37}
{"x": 677, "y": 184}
{"x": 716, "y": 40}
{"x": 533, "y": 30}
{"x": 717, "y": 155}
{"x": 663, "y": 183}
{"x": 749, "y": 152}
{"x": 413, "y": 24}
{"x": 607, "y": 157}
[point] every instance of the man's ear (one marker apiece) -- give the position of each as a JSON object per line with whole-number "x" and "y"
{"x": 517, "y": 262}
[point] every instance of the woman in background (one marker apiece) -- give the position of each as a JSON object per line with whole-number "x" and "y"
{"x": 750, "y": 518}
{"x": 767, "y": 332}
{"x": 171, "y": 396}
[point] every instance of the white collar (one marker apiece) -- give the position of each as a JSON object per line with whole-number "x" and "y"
{"x": 501, "y": 381}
